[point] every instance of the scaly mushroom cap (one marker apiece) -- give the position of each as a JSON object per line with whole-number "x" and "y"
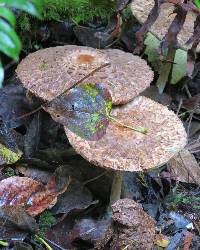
{"x": 142, "y": 8}
{"x": 48, "y": 72}
{"x": 134, "y": 226}
{"x": 123, "y": 149}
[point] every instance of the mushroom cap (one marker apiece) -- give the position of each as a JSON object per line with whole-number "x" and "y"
{"x": 48, "y": 72}
{"x": 142, "y": 8}
{"x": 134, "y": 226}
{"x": 126, "y": 150}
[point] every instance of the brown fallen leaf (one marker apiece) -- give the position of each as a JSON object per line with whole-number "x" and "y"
{"x": 77, "y": 197}
{"x": 185, "y": 168}
{"x": 19, "y": 217}
{"x": 96, "y": 232}
{"x": 33, "y": 195}
{"x": 187, "y": 240}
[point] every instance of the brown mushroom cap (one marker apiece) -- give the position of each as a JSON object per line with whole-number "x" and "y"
{"x": 142, "y": 8}
{"x": 48, "y": 72}
{"x": 123, "y": 149}
{"x": 134, "y": 226}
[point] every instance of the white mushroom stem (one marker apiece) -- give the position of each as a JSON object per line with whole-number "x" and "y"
{"x": 116, "y": 187}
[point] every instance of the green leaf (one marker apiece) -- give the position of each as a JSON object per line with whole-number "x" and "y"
{"x": 7, "y": 46}
{"x": 179, "y": 69}
{"x": 197, "y": 3}
{"x": 152, "y": 44}
{"x": 7, "y": 29}
{"x": 7, "y": 156}
{"x": 8, "y": 15}
{"x": 32, "y": 8}
{"x": 84, "y": 110}
{"x": 1, "y": 74}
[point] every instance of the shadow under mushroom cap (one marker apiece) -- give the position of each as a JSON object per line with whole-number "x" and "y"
{"x": 49, "y": 72}
{"x": 123, "y": 149}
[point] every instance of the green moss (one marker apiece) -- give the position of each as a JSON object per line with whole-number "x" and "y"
{"x": 77, "y": 10}
{"x": 9, "y": 156}
{"x": 46, "y": 220}
{"x": 9, "y": 172}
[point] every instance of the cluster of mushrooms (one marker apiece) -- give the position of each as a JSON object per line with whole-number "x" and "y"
{"x": 49, "y": 72}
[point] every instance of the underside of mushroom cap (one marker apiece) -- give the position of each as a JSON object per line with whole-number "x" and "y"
{"x": 126, "y": 150}
{"x": 142, "y": 8}
{"x": 49, "y": 72}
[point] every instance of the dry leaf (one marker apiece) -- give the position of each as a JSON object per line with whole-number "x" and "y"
{"x": 185, "y": 168}
{"x": 33, "y": 195}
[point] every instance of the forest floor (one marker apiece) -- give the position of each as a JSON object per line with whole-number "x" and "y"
{"x": 78, "y": 218}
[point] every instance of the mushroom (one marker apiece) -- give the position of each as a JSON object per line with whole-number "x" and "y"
{"x": 49, "y": 72}
{"x": 123, "y": 149}
{"x": 142, "y": 8}
{"x": 134, "y": 226}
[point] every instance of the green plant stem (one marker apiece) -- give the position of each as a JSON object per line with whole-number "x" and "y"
{"x": 165, "y": 69}
{"x": 116, "y": 187}
{"x": 4, "y": 243}
{"x": 43, "y": 242}
{"x": 141, "y": 130}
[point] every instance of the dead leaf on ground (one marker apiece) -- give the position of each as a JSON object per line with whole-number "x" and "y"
{"x": 8, "y": 231}
{"x": 19, "y": 217}
{"x": 96, "y": 232}
{"x": 33, "y": 195}
{"x": 135, "y": 229}
{"x": 77, "y": 197}
{"x": 14, "y": 104}
{"x": 185, "y": 168}
{"x": 9, "y": 151}
{"x": 34, "y": 173}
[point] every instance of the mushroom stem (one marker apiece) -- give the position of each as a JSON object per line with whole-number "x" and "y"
{"x": 141, "y": 130}
{"x": 166, "y": 68}
{"x": 116, "y": 187}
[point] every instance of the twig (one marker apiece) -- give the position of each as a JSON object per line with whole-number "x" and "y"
{"x": 95, "y": 178}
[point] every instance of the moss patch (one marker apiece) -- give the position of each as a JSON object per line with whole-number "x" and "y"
{"x": 8, "y": 156}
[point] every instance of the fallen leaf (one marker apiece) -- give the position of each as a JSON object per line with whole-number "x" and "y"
{"x": 185, "y": 168}
{"x": 14, "y": 103}
{"x": 33, "y": 195}
{"x": 96, "y": 232}
{"x": 34, "y": 173}
{"x": 84, "y": 110}
{"x": 8, "y": 230}
{"x": 77, "y": 197}
{"x": 9, "y": 152}
{"x": 180, "y": 61}
{"x": 187, "y": 241}
{"x": 7, "y": 156}
{"x": 162, "y": 242}
{"x": 19, "y": 217}
{"x": 22, "y": 246}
